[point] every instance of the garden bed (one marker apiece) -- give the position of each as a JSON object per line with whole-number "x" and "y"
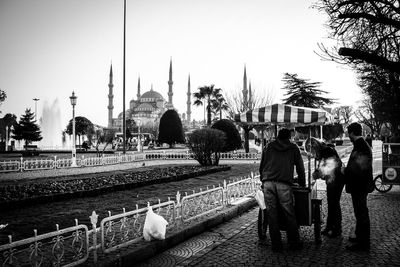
{"x": 82, "y": 186}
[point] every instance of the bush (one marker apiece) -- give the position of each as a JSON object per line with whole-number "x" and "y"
{"x": 171, "y": 130}
{"x": 206, "y": 145}
{"x": 233, "y": 140}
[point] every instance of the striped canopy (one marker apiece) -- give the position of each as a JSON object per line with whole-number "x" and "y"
{"x": 281, "y": 114}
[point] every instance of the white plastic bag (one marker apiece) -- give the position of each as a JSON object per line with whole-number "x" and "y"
{"x": 259, "y": 196}
{"x": 154, "y": 227}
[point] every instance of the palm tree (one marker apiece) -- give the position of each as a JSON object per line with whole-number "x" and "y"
{"x": 219, "y": 104}
{"x": 210, "y": 95}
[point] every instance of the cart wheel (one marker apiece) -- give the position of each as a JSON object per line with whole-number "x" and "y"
{"x": 262, "y": 223}
{"x": 380, "y": 186}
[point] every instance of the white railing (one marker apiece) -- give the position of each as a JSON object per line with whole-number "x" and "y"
{"x": 66, "y": 247}
{"x": 10, "y": 166}
{"x": 75, "y": 245}
{"x": 62, "y": 163}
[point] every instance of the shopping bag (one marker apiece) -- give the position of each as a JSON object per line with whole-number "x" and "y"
{"x": 154, "y": 227}
{"x": 259, "y": 196}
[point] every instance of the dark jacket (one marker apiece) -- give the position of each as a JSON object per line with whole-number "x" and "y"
{"x": 278, "y": 161}
{"x": 358, "y": 172}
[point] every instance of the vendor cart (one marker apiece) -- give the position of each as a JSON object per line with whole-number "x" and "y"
{"x": 390, "y": 168}
{"x": 307, "y": 205}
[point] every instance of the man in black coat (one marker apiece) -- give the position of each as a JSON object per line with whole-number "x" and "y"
{"x": 359, "y": 182}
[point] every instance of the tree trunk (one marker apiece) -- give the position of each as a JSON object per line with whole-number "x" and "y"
{"x": 246, "y": 139}
{"x": 208, "y": 113}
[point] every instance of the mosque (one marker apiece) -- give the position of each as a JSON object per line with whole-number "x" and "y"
{"x": 149, "y": 107}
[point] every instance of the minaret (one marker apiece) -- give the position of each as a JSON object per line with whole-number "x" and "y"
{"x": 170, "y": 82}
{"x": 188, "y": 112}
{"x": 110, "y": 98}
{"x": 138, "y": 89}
{"x": 250, "y": 96}
{"x": 245, "y": 89}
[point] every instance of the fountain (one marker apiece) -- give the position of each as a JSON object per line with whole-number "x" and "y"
{"x": 51, "y": 126}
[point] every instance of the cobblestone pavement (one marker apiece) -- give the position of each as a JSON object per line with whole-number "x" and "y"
{"x": 236, "y": 243}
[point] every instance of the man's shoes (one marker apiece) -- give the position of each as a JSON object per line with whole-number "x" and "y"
{"x": 325, "y": 231}
{"x": 358, "y": 247}
{"x": 333, "y": 234}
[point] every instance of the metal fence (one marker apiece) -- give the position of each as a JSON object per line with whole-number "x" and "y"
{"x": 62, "y": 163}
{"x": 75, "y": 245}
{"x": 66, "y": 247}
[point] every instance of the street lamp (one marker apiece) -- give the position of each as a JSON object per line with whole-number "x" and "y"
{"x": 36, "y": 100}
{"x": 140, "y": 139}
{"x": 6, "y": 137}
{"x": 73, "y": 103}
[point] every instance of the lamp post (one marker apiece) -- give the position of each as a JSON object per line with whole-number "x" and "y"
{"x": 123, "y": 85}
{"x": 73, "y": 103}
{"x": 6, "y": 137}
{"x": 140, "y": 139}
{"x": 36, "y": 100}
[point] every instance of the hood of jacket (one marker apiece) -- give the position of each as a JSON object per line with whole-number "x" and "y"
{"x": 283, "y": 145}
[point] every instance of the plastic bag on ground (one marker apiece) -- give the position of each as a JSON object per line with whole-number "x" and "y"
{"x": 154, "y": 227}
{"x": 259, "y": 196}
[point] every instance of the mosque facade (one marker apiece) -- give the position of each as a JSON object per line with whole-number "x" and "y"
{"x": 148, "y": 107}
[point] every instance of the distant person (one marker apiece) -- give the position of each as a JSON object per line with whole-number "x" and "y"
{"x": 359, "y": 182}
{"x": 276, "y": 173}
{"x": 329, "y": 169}
{"x": 85, "y": 145}
{"x": 368, "y": 139}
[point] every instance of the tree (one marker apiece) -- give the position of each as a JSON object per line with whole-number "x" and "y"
{"x": 382, "y": 89}
{"x": 171, "y": 131}
{"x": 343, "y": 114}
{"x": 104, "y": 136}
{"x": 368, "y": 35}
{"x": 366, "y": 32}
{"x": 206, "y": 145}
{"x": 366, "y": 114}
{"x": 233, "y": 140}
{"x": 27, "y": 129}
{"x": 209, "y": 95}
{"x": 302, "y": 93}
{"x": 238, "y": 103}
{"x": 83, "y": 126}
{"x": 7, "y": 121}
{"x": 219, "y": 105}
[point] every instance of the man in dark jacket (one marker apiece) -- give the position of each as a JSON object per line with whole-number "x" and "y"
{"x": 359, "y": 182}
{"x": 276, "y": 174}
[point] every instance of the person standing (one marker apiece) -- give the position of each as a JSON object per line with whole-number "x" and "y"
{"x": 329, "y": 169}
{"x": 359, "y": 182}
{"x": 277, "y": 177}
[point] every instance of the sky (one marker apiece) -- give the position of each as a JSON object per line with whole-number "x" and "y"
{"x": 50, "y": 48}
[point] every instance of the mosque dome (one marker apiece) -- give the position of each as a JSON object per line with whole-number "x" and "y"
{"x": 152, "y": 94}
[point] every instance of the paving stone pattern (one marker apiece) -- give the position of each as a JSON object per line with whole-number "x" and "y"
{"x": 236, "y": 242}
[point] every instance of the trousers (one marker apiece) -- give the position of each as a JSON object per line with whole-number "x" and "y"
{"x": 334, "y": 192}
{"x": 362, "y": 217}
{"x": 280, "y": 196}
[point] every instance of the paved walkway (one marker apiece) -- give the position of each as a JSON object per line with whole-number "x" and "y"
{"x": 236, "y": 243}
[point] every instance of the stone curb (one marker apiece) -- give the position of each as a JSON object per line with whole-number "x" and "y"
{"x": 98, "y": 191}
{"x": 150, "y": 249}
